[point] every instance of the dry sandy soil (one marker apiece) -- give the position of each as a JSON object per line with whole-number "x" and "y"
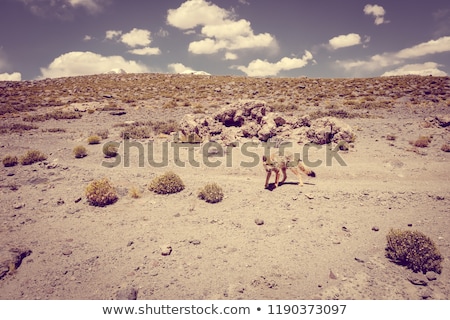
{"x": 325, "y": 240}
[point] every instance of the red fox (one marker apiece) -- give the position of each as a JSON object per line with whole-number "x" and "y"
{"x": 276, "y": 163}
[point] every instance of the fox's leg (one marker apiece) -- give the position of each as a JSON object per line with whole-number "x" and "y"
{"x": 277, "y": 177}
{"x": 296, "y": 171}
{"x": 268, "y": 178}
{"x": 284, "y": 175}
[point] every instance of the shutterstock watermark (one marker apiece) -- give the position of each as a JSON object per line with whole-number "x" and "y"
{"x": 212, "y": 154}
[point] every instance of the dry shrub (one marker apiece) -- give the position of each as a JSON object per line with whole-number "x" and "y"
{"x": 445, "y": 147}
{"x": 135, "y": 193}
{"x": 166, "y": 183}
{"x": 414, "y": 250}
{"x": 421, "y": 142}
{"x": 211, "y": 193}
{"x": 101, "y": 193}
{"x": 32, "y": 156}
{"x": 94, "y": 139}
{"x": 10, "y": 161}
{"x": 80, "y": 152}
{"x": 110, "y": 150}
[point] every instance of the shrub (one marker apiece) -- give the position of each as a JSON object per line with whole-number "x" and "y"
{"x": 211, "y": 193}
{"x": 110, "y": 150}
{"x": 32, "y": 156}
{"x": 414, "y": 250}
{"x": 101, "y": 193}
{"x": 445, "y": 147}
{"x": 166, "y": 183}
{"x": 134, "y": 192}
{"x": 94, "y": 139}
{"x": 422, "y": 142}
{"x": 80, "y": 152}
{"x": 10, "y": 161}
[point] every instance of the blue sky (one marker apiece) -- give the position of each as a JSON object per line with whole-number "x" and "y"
{"x": 284, "y": 38}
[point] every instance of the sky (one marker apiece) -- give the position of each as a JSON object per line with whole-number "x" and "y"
{"x": 260, "y": 38}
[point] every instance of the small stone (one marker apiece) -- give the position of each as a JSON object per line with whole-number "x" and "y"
{"x": 77, "y": 200}
{"x": 359, "y": 259}
{"x": 130, "y": 243}
{"x": 431, "y": 275}
{"x": 60, "y": 202}
{"x": 418, "y": 280}
{"x": 18, "y": 205}
{"x": 332, "y": 275}
{"x": 259, "y": 222}
{"x": 166, "y": 250}
{"x": 195, "y": 242}
{"x": 309, "y": 196}
{"x": 410, "y": 225}
{"x": 375, "y": 228}
{"x": 127, "y": 294}
{"x": 67, "y": 252}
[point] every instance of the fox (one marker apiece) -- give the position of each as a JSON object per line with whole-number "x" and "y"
{"x": 277, "y": 162}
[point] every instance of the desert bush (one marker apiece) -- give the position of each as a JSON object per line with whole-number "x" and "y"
{"x": 101, "y": 193}
{"x": 445, "y": 147}
{"x": 414, "y": 250}
{"x": 134, "y": 192}
{"x": 166, "y": 183}
{"x": 211, "y": 193}
{"x": 103, "y": 134}
{"x": 421, "y": 142}
{"x": 32, "y": 156}
{"x": 80, "y": 152}
{"x": 10, "y": 161}
{"x": 94, "y": 139}
{"x": 166, "y": 127}
{"x": 110, "y": 150}
{"x": 136, "y": 132}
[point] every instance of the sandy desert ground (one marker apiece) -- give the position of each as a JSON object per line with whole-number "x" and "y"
{"x": 325, "y": 240}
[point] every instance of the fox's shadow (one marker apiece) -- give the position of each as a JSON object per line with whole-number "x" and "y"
{"x": 271, "y": 186}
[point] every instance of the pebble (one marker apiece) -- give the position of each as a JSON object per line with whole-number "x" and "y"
{"x": 259, "y": 222}
{"x": 375, "y": 228}
{"x": 417, "y": 280}
{"x": 18, "y": 205}
{"x": 127, "y": 294}
{"x": 195, "y": 242}
{"x": 431, "y": 275}
{"x": 67, "y": 252}
{"x": 166, "y": 250}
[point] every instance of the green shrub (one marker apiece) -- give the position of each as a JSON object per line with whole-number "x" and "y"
{"x": 414, "y": 250}
{"x": 32, "y": 156}
{"x": 211, "y": 193}
{"x": 101, "y": 193}
{"x": 10, "y": 161}
{"x": 94, "y": 139}
{"x": 80, "y": 152}
{"x": 166, "y": 183}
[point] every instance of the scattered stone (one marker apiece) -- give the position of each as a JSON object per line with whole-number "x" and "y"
{"x": 18, "y": 205}
{"x": 431, "y": 275}
{"x": 359, "y": 259}
{"x": 410, "y": 225}
{"x": 127, "y": 294}
{"x": 418, "y": 280}
{"x": 345, "y": 229}
{"x": 60, "y": 202}
{"x": 77, "y": 200}
{"x": 332, "y": 275}
{"x": 195, "y": 242}
{"x": 67, "y": 252}
{"x": 427, "y": 294}
{"x": 259, "y": 222}
{"x": 166, "y": 250}
{"x": 309, "y": 196}
{"x": 130, "y": 243}
{"x": 118, "y": 113}
{"x": 375, "y": 228}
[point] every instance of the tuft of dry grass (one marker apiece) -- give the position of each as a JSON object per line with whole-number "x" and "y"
{"x": 80, "y": 152}
{"x": 10, "y": 161}
{"x": 32, "y": 156}
{"x": 94, "y": 139}
{"x": 421, "y": 142}
{"x": 134, "y": 192}
{"x": 445, "y": 147}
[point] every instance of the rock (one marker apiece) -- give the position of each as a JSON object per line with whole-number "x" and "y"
{"x": 443, "y": 120}
{"x": 360, "y": 260}
{"x": 18, "y": 205}
{"x": 375, "y": 228}
{"x": 418, "y": 279}
{"x": 11, "y": 260}
{"x": 118, "y": 113}
{"x": 332, "y": 276}
{"x": 259, "y": 222}
{"x": 329, "y": 129}
{"x": 431, "y": 275}
{"x": 195, "y": 242}
{"x": 127, "y": 294}
{"x": 67, "y": 252}
{"x": 166, "y": 250}
{"x": 309, "y": 196}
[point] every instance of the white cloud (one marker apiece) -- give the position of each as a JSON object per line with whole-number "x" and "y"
{"x": 230, "y": 56}
{"x": 377, "y": 11}
{"x": 84, "y": 63}
{"x": 388, "y": 59}
{"x": 137, "y": 37}
{"x": 111, "y": 34}
{"x": 63, "y": 9}
{"x": 342, "y": 41}
{"x": 15, "y": 76}
{"x": 147, "y": 51}
{"x": 421, "y": 69}
{"x": 87, "y": 38}
{"x": 263, "y": 68}
{"x": 178, "y": 68}
{"x": 220, "y": 29}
